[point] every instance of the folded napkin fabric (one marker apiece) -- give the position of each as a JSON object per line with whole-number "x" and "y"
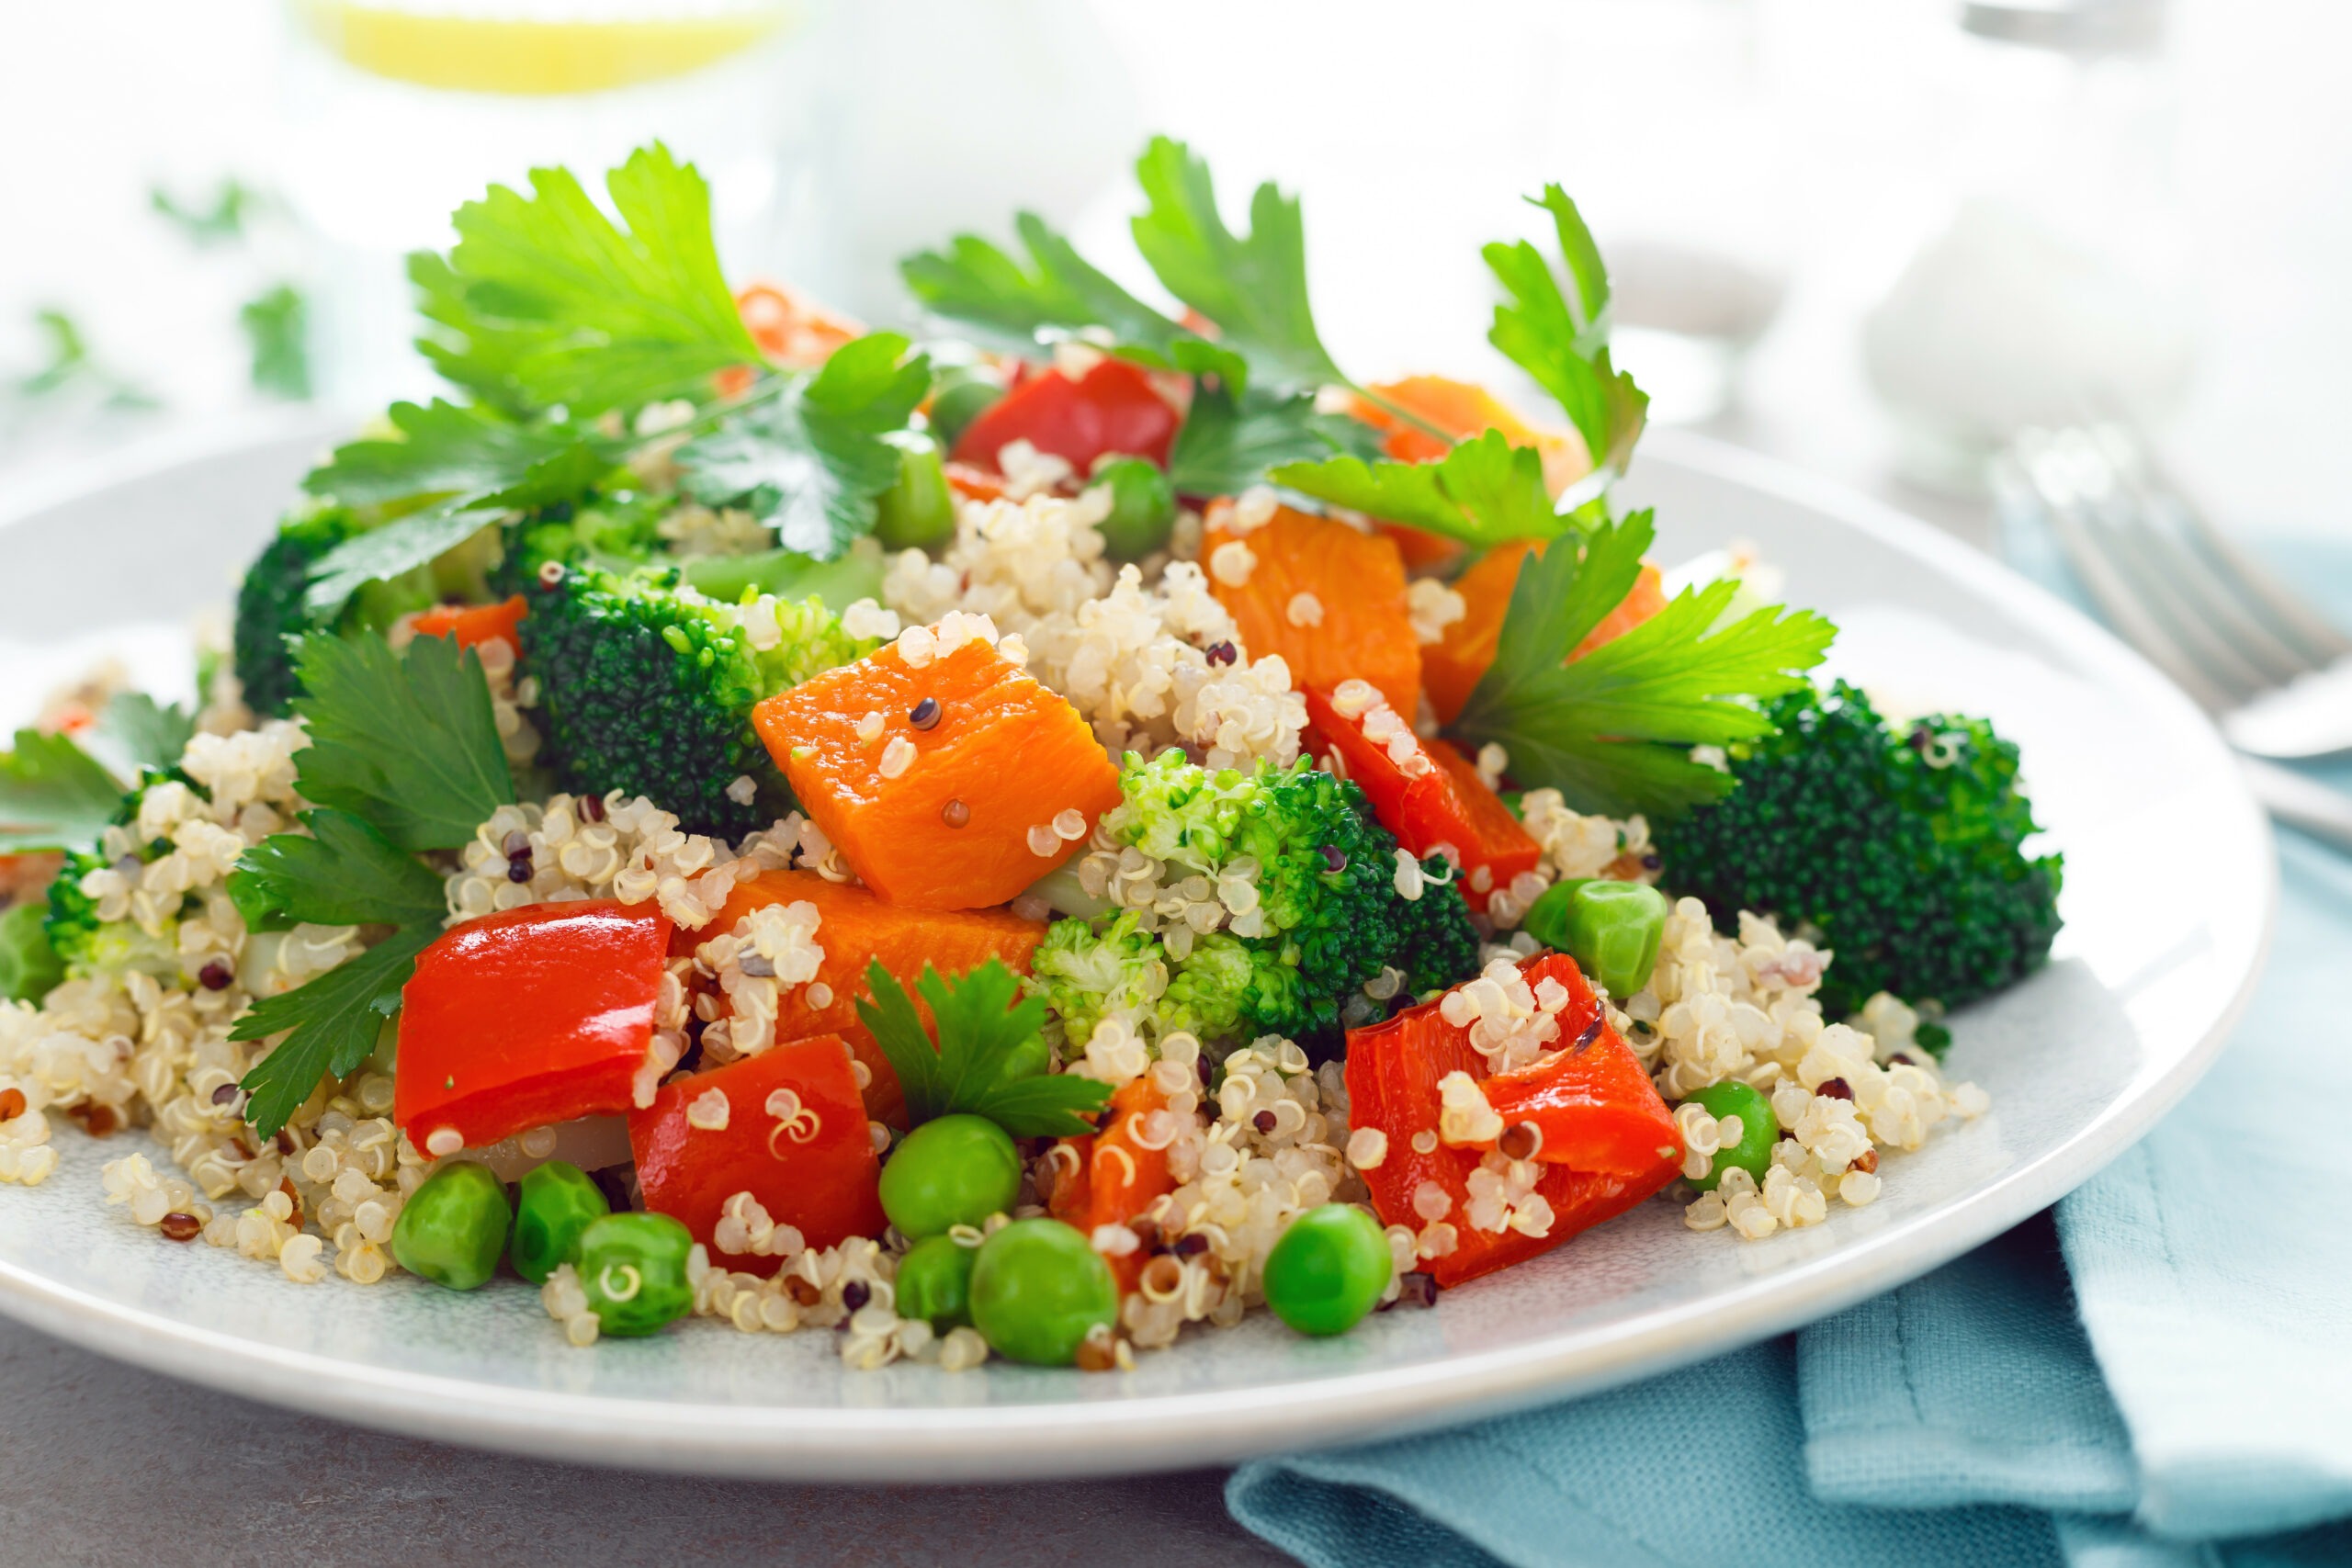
{"x": 2212, "y": 1261}
{"x": 1703, "y": 1466}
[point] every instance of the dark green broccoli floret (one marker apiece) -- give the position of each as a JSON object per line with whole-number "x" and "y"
{"x": 269, "y": 606}
{"x": 269, "y": 600}
{"x": 1901, "y": 847}
{"x": 1328, "y": 917}
{"x": 646, "y": 687}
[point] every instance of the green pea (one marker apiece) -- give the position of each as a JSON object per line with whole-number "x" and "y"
{"x": 934, "y": 1281}
{"x": 1611, "y": 929}
{"x": 1143, "y": 507}
{"x": 452, "y": 1229}
{"x": 918, "y": 511}
{"x": 963, "y": 396}
{"x": 1038, "y": 1290}
{"x": 952, "y": 1170}
{"x": 634, "y": 1268}
{"x": 558, "y": 1202}
{"x": 1758, "y": 1129}
{"x": 1329, "y": 1269}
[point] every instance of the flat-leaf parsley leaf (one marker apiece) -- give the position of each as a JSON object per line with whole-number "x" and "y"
{"x": 1613, "y": 730}
{"x": 544, "y": 302}
{"x": 812, "y": 460}
{"x": 1561, "y": 337}
{"x": 978, "y": 1066}
{"x": 1483, "y": 492}
{"x": 406, "y": 740}
{"x": 53, "y": 794}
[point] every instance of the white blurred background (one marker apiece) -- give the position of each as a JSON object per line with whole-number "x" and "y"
{"x": 1856, "y": 233}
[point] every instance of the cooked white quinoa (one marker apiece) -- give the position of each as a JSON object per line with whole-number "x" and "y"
{"x": 1130, "y": 653}
{"x": 148, "y": 1046}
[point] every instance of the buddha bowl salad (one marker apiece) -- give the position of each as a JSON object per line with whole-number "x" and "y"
{"x": 1016, "y": 844}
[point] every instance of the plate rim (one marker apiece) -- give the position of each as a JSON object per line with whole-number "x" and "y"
{"x": 1160, "y": 1432}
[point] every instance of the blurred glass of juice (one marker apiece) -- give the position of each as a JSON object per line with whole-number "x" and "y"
{"x": 395, "y": 111}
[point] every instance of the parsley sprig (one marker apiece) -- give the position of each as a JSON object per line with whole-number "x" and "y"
{"x": 447, "y": 471}
{"x": 1560, "y": 336}
{"x": 546, "y": 302}
{"x": 404, "y": 756}
{"x": 811, "y": 461}
{"x": 1255, "y": 406}
{"x": 55, "y": 794}
{"x": 1613, "y": 730}
{"x": 558, "y": 319}
{"x": 1483, "y": 492}
{"x": 978, "y": 1066}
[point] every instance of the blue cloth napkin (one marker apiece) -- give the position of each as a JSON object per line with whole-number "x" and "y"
{"x": 2155, "y": 1374}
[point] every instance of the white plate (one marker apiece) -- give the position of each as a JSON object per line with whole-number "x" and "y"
{"x": 2168, "y": 896}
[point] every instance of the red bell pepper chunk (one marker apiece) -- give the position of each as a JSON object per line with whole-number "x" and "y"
{"x": 539, "y": 1014}
{"x": 796, "y": 1139}
{"x": 1117, "y": 1175}
{"x": 1112, "y": 408}
{"x": 1594, "y": 1105}
{"x": 1392, "y": 1074}
{"x": 473, "y": 625}
{"x": 1433, "y": 804}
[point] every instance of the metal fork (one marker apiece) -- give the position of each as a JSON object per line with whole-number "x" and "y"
{"x": 2273, "y": 674}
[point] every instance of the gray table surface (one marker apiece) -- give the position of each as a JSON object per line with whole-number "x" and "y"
{"x": 104, "y": 1465}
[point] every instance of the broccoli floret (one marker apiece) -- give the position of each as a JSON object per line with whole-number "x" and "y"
{"x": 1083, "y": 974}
{"x": 269, "y": 606}
{"x": 646, "y": 686}
{"x": 82, "y": 944}
{"x": 1327, "y": 916}
{"x": 1901, "y": 847}
{"x": 269, "y": 600}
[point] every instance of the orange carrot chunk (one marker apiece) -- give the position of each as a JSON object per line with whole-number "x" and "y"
{"x": 1328, "y": 597}
{"x": 950, "y": 783}
{"x": 1116, "y": 1174}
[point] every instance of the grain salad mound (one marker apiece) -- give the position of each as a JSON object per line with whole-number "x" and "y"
{"x": 1008, "y": 848}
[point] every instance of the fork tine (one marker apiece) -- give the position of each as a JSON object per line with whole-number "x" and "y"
{"x": 2232, "y": 638}
{"x": 2107, "y": 527}
{"x": 2036, "y": 470}
{"x": 2294, "y": 622}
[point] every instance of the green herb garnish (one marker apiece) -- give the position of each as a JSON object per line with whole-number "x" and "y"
{"x": 404, "y": 756}
{"x": 277, "y": 323}
{"x": 989, "y": 1060}
{"x": 1613, "y": 730}
{"x": 811, "y": 461}
{"x": 407, "y": 742}
{"x": 1483, "y": 492}
{"x": 1227, "y": 444}
{"x": 545, "y": 302}
{"x": 53, "y": 794}
{"x": 224, "y": 219}
{"x": 1560, "y": 336}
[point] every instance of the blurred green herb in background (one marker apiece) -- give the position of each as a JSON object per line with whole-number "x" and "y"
{"x": 277, "y": 325}
{"x": 224, "y": 219}
{"x": 68, "y": 368}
